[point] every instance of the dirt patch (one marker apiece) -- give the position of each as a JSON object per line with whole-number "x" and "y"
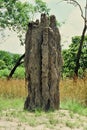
{"x": 58, "y": 120}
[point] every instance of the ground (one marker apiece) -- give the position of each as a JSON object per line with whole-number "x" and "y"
{"x": 15, "y": 119}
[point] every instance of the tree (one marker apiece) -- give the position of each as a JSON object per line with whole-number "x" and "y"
{"x": 15, "y": 15}
{"x": 41, "y": 7}
{"x": 69, "y": 56}
{"x": 75, "y": 3}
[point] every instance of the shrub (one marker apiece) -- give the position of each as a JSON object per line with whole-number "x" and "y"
{"x": 4, "y": 73}
{"x": 2, "y": 64}
{"x": 19, "y": 73}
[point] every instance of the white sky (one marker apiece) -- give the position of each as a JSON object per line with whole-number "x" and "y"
{"x": 64, "y": 13}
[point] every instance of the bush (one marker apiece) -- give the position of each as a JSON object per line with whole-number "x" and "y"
{"x": 4, "y": 73}
{"x": 70, "y": 58}
{"x": 6, "y": 57}
{"x": 19, "y": 73}
{"x": 2, "y": 64}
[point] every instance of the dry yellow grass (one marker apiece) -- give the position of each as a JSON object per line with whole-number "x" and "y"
{"x": 13, "y": 88}
{"x": 74, "y": 90}
{"x": 68, "y": 89}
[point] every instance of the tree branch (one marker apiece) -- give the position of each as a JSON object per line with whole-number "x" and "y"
{"x": 19, "y": 62}
{"x": 79, "y": 51}
{"x": 74, "y": 1}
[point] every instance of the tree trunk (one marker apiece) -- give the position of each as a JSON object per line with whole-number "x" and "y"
{"x": 79, "y": 52}
{"x": 42, "y": 64}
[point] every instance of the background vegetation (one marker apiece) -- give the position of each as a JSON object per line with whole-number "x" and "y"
{"x": 69, "y": 58}
{"x": 8, "y": 60}
{"x": 69, "y": 89}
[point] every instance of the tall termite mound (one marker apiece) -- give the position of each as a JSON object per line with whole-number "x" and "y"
{"x": 43, "y": 64}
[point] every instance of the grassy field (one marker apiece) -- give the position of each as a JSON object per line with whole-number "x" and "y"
{"x": 13, "y": 88}
{"x": 69, "y": 89}
{"x": 73, "y": 94}
{"x": 72, "y": 113}
{"x": 74, "y": 90}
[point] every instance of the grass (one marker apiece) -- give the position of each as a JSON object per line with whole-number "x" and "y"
{"x": 72, "y": 125}
{"x": 12, "y": 108}
{"x": 73, "y": 96}
{"x": 13, "y": 103}
{"x": 13, "y": 88}
{"x": 18, "y": 103}
{"x": 69, "y": 89}
{"x": 75, "y": 107}
{"x": 74, "y": 90}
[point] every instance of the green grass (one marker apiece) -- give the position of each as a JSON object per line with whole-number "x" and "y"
{"x": 11, "y": 103}
{"x": 18, "y": 103}
{"x": 12, "y": 108}
{"x": 74, "y": 107}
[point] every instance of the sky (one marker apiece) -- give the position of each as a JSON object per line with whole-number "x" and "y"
{"x": 67, "y": 13}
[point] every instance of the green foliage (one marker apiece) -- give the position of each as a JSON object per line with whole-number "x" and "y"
{"x": 7, "y": 62}
{"x": 15, "y": 58}
{"x": 4, "y": 73}
{"x": 6, "y": 57}
{"x": 15, "y": 14}
{"x": 69, "y": 56}
{"x": 19, "y": 73}
{"x": 41, "y": 7}
{"x": 2, "y": 64}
